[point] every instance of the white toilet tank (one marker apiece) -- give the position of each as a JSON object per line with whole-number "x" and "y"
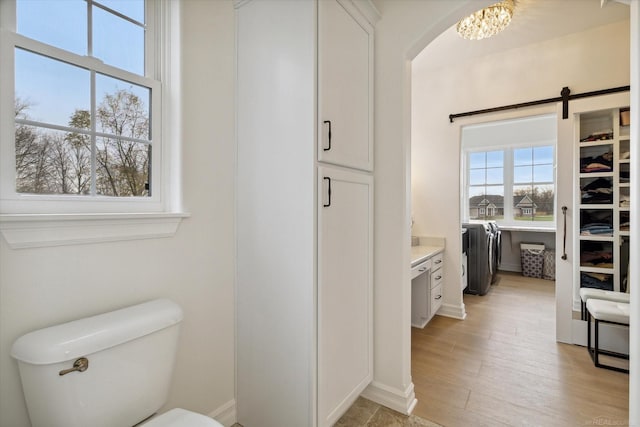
{"x": 130, "y": 354}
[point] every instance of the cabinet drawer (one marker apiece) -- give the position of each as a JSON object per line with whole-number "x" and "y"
{"x": 437, "y": 261}
{"x": 421, "y": 268}
{"x": 436, "y": 299}
{"x": 436, "y": 278}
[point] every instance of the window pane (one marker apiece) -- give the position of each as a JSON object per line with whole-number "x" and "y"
{"x": 61, "y": 24}
{"x": 544, "y": 198}
{"x": 543, "y": 155}
{"x": 533, "y": 203}
{"x": 122, "y": 108}
{"x": 118, "y": 42}
{"x": 477, "y": 160}
{"x": 522, "y": 174}
{"x": 53, "y": 90}
{"x": 522, "y": 156}
{"x": 486, "y": 202}
{"x": 543, "y": 173}
{"x": 134, "y": 9}
{"x": 477, "y": 176}
{"x": 495, "y": 176}
{"x": 122, "y": 168}
{"x": 495, "y": 159}
{"x": 52, "y": 162}
{"x": 523, "y": 206}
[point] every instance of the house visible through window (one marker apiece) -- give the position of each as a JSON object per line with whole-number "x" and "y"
{"x": 86, "y": 100}
{"x": 509, "y": 171}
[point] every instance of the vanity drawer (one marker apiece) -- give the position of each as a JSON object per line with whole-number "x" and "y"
{"x": 436, "y": 299}
{"x": 437, "y": 261}
{"x": 420, "y": 268}
{"x": 436, "y": 278}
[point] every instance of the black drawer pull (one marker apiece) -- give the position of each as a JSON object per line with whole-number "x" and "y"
{"x": 328, "y": 192}
{"x": 328, "y": 148}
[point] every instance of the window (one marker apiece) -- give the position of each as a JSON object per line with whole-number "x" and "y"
{"x": 509, "y": 172}
{"x": 82, "y": 131}
{"x": 85, "y": 100}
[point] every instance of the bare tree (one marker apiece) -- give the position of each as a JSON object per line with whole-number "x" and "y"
{"x": 51, "y": 162}
{"x": 79, "y": 151}
{"x": 32, "y": 154}
{"x": 123, "y": 164}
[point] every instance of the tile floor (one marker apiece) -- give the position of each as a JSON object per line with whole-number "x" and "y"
{"x": 365, "y": 413}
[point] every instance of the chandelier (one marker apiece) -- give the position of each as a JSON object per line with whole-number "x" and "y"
{"x": 486, "y": 22}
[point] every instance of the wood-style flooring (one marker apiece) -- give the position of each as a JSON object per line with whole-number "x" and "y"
{"x": 501, "y": 366}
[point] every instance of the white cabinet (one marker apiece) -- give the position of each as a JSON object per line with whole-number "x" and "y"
{"x": 426, "y": 289}
{"x": 420, "y": 290}
{"x": 436, "y": 292}
{"x": 345, "y": 290}
{"x": 304, "y": 254}
{"x": 345, "y": 89}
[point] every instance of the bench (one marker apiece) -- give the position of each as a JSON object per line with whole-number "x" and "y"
{"x": 609, "y": 312}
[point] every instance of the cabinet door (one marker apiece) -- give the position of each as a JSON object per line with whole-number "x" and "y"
{"x": 345, "y": 86}
{"x": 345, "y": 290}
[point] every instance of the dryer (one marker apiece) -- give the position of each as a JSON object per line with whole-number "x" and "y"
{"x": 484, "y": 255}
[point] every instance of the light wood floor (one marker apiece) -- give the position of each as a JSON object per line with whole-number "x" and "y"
{"x": 502, "y": 367}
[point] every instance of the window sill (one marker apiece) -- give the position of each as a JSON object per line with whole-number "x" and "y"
{"x": 44, "y": 230}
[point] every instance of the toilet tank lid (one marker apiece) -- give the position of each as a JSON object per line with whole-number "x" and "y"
{"x": 82, "y": 337}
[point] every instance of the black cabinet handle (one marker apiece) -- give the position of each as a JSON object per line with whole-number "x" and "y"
{"x": 328, "y": 192}
{"x": 328, "y": 148}
{"x": 564, "y": 236}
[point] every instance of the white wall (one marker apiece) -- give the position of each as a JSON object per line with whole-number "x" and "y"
{"x": 405, "y": 28}
{"x": 511, "y": 246}
{"x": 40, "y": 287}
{"x": 593, "y": 60}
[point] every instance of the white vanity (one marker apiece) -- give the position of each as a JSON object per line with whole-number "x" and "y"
{"x": 426, "y": 280}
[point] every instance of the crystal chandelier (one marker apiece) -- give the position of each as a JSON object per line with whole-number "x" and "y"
{"x": 486, "y": 22}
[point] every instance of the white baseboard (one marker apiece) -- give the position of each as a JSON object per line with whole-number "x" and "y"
{"x": 226, "y": 414}
{"x": 393, "y": 398}
{"x": 453, "y": 310}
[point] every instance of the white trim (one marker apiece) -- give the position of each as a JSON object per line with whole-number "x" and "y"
{"x": 396, "y": 399}
{"x": 36, "y": 231}
{"x": 455, "y": 311}
{"x": 368, "y": 10}
{"x": 225, "y": 414}
{"x": 634, "y": 382}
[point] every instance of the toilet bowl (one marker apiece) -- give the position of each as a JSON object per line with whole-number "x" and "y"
{"x": 109, "y": 370}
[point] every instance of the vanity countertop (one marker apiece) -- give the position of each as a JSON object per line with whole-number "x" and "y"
{"x": 421, "y": 253}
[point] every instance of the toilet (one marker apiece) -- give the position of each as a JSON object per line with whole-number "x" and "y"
{"x": 109, "y": 370}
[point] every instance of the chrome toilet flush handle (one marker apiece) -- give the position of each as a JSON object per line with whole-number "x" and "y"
{"x": 79, "y": 365}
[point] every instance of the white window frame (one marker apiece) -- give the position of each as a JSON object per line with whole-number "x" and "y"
{"x": 508, "y": 184}
{"x": 28, "y": 220}
{"x": 508, "y": 147}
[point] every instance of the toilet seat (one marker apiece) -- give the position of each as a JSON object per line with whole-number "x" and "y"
{"x": 181, "y": 418}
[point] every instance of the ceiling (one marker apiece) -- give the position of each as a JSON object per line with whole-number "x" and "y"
{"x": 533, "y": 21}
